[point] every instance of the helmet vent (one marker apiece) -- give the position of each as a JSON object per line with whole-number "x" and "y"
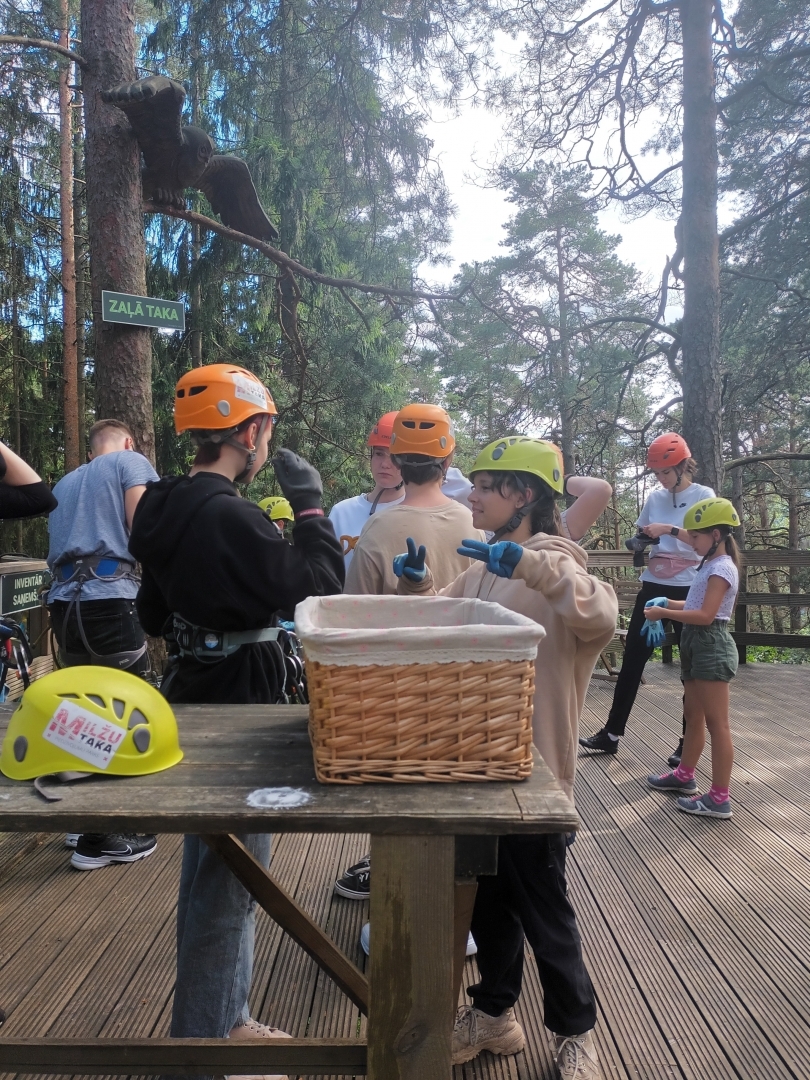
{"x": 97, "y": 700}
{"x": 118, "y": 707}
{"x": 142, "y": 738}
{"x": 425, "y": 425}
{"x": 194, "y": 390}
{"x": 136, "y": 718}
{"x": 409, "y": 424}
{"x": 20, "y": 747}
{"x": 181, "y": 393}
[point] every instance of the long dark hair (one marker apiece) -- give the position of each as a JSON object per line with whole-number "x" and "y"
{"x": 544, "y": 516}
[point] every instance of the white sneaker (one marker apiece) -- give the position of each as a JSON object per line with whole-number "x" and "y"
{"x": 252, "y": 1029}
{"x": 475, "y": 1031}
{"x": 365, "y": 938}
{"x": 576, "y": 1057}
{"x": 72, "y": 839}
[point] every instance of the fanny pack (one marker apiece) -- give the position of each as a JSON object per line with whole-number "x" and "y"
{"x": 667, "y": 566}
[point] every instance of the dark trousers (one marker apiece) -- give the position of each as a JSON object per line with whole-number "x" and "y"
{"x": 637, "y": 652}
{"x": 529, "y": 896}
{"x": 110, "y": 626}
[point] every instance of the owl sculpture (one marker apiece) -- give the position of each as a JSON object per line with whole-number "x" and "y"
{"x": 178, "y": 156}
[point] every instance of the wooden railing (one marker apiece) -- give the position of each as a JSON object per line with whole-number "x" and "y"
{"x": 626, "y": 588}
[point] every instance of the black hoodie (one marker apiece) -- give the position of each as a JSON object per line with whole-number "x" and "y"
{"x": 217, "y": 560}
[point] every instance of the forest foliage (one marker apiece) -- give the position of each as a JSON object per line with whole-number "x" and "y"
{"x": 555, "y": 336}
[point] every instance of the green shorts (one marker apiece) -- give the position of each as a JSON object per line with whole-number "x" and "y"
{"x": 708, "y": 652}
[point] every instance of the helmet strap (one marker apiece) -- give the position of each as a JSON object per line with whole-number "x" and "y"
{"x": 380, "y": 494}
{"x": 711, "y": 551}
{"x": 514, "y": 521}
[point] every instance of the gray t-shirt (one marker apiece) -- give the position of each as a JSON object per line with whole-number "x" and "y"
{"x": 90, "y": 520}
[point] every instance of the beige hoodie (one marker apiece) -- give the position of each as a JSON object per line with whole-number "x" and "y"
{"x": 551, "y": 585}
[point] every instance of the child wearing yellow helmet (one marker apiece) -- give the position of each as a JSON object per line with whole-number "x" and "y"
{"x": 531, "y": 568}
{"x": 708, "y": 657}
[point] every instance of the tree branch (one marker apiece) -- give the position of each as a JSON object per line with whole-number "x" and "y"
{"x": 41, "y": 43}
{"x": 738, "y": 463}
{"x": 286, "y": 263}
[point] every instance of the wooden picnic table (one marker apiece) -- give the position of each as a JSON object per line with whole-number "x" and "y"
{"x": 249, "y": 769}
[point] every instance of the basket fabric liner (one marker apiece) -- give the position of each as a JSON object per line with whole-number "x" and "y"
{"x": 361, "y": 631}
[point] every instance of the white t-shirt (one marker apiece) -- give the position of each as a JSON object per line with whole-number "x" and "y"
{"x": 349, "y": 516}
{"x": 722, "y": 567}
{"x": 659, "y": 508}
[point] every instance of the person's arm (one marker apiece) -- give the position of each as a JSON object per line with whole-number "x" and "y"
{"x": 592, "y": 496}
{"x": 132, "y": 496}
{"x": 702, "y": 616}
{"x": 17, "y": 472}
{"x": 151, "y": 605}
{"x": 22, "y": 493}
{"x": 658, "y": 528}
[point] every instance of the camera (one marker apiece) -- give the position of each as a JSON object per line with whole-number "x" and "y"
{"x": 638, "y": 544}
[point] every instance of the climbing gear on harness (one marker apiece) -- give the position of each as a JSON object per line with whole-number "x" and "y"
{"x": 519, "y": 453}
{"x": 15, "y": 652}
{"x": 217, "y": 398}
{"x": 425, "y": 430}
{"x": 380, "y": 434}
{"x": 91, "y": 720}
{"x": 278, "y": 508}
{"x": 210, "y": 646}
{"x": 710, "y": 513}
{"x": 80, "y": 570}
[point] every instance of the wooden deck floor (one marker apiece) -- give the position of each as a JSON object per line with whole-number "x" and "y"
{"x": 697, "y": 933}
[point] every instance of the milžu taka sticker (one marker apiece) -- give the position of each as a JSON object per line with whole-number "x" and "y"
{"x": 84, "y": 735}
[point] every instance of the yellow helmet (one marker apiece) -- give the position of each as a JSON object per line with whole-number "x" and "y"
{"x": 278, "y": 508}
{"x": 519, "y": 453}
{"x": 710, "y": 512}
{"x": 90, "y": 719}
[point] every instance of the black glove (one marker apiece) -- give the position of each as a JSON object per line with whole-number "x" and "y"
{"x": 299, "y": 481}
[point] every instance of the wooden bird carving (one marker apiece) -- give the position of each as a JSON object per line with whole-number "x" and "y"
{"x": 178, "y": 156}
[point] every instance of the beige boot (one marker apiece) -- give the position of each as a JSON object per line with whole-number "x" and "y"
{"x": 576, "y": 1057}
{"x": 475, "y": 1031}
{"x": 252, "y": 1029}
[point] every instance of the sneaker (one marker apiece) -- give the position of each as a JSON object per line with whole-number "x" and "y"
{"x": 355, "y": 883}
{"x": 72, "y": 839}
{"x": 576, "y": 1057}
{"x": 705, "y": 806}
{"x": 365, "y": 938}
{"x": 252, "y": 1029}
{"x": 475, "y": 1031}
{"x": 93, "y": 852}
{"x": 674, "y": 758}
{"x": 602, "y": 742}
{"x": 670, "y": 782}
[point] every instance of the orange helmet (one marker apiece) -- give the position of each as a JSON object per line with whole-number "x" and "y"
{"x": 666, "y": 451}
{"x": 380, "y": 434}
{"x": 219, "y": 397}
{"x": 423, "y": 429}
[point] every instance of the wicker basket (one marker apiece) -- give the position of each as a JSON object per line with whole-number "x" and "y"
{"x": 458, "y": 708}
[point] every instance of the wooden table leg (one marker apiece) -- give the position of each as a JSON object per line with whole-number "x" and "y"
{"x": 464, "y": 902}
{"x": 411, "y": 967}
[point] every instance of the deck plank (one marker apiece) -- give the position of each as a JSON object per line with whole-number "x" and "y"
{"x": 697, "y": 934}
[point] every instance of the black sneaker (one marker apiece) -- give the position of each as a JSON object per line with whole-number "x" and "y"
{"x": 602, "y": 742}
{"x": 94, "y": 851}
{"x": 355, "y": 884}
{"x": 674, "y": 758}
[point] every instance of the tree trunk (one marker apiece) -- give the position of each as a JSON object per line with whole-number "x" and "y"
{"x": 81, "y": 299}
{"x": 70, "y": 365}
{"x": 196, "y": 237}
{"x": 123, "y": 354}
{"x": 564, "y": 363}
{"x": 701, "y": 314}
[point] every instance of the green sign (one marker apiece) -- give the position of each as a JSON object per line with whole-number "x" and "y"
{"x": 20, "y": 592}
{"x": 119, "y": 307}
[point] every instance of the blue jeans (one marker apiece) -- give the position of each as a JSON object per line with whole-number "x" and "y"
{"x": 216, "y": 922}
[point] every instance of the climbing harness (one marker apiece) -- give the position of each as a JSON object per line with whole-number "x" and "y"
{"x": 81, "y": 570}
{"x": 208, "y": 646}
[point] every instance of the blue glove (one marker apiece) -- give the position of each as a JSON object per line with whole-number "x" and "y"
{"x": 653, "y": 632}
{"x": 501, "y": 558}
{"x": 411, "y": 563}
{"x": 657, "y": 601}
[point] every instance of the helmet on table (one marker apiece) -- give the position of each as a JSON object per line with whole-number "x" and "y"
{"x": 90, "y": 719}
{"x": 380, "y": 434}
{"x": 666, "y": 451}
{"x": 519, "y": 453}
{"x": 710, "y": 513}
{"x": 423, "y": 429}
{"x": 278, "y": 508}
{"x": 217, "y": 398}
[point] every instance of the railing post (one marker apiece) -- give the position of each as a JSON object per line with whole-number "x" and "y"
{"x": 741, "y": 617}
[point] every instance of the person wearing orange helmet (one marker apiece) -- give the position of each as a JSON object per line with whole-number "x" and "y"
{"x": 670, "y": 572}
{"x": 422, "y": 445}
{"x": 350, "y": 515}
{"x": 215, "y": 572}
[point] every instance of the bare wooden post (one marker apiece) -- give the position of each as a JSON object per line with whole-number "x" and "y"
{"x": 411, "y": 963}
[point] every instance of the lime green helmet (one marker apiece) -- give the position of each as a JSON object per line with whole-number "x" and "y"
{"x": 278, "y": 508}
{"x": 709, "y": 513}
{"x": 519, "y": 453}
